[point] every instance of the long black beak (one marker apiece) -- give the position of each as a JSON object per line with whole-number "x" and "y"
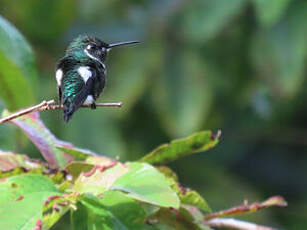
{"x": 122, "y": 44}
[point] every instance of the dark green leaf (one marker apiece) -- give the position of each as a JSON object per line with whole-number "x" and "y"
{"x": 75, "y": 168}
{"x": 181, "y": 91}
{"x": 195, "y": 143}
{"x": 279, "y": 54}
{"x": 17, "y": 68}
{"x": 131, "y": 76}
{"x": 269, "y": 12}
{"x": 36, "y": 17}
{"x": 21, "y": 200}
{"x": 202, "y": 20}
{"x": 167, "y": 219}
{"x": 192, "y": 214}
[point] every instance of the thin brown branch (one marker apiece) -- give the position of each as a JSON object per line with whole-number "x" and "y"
{"x": 50, "y": 105}
{"x": 235, "y": 224}
{"x": 247, "y": 208}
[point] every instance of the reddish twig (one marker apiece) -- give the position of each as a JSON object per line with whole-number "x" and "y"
{"x": 230, "y": 223}
{"x": 247, "y": 208}
{"x": 50, "y": 105}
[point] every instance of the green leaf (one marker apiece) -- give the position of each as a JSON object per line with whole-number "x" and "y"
{"x": 194, "y": 215}
{"x": 198, "y": 142}
{"x": 17, "y": 68}
{"x": 53, "y": 217}
{"x": 10, "y": 161}
{"x": 167, "y": 219}
{"x": 114, "y": 211}
{"x": 21, "y": 200}
{"x": 75, "y": 168}
{"x": 130, "y": 71}
{"x": 43, "y": 139}
{"x": 97, "y": 181}
{"x": 56, "y": 207}
{"x": 77, "y": 153}
{"x": 182, "y": 90}
{"x": 147, "y": 184}
{"x": 191, "y": 197}
{"x": 186, "y": 195}
{"x": 57, "y": 22}
{"x": 202, "y": 20}
{"x": 269, "y": 12}
{"x": 140, "y": 180}
{"x": 279, "y": 54}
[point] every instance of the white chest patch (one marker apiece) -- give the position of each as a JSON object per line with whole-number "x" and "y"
{"x": 59, "y": 76}
{"x": 85, "y": 72}
{"x": 89, "y": 100}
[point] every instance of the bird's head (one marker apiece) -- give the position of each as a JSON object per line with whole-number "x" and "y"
{"x": 92, "y": 47}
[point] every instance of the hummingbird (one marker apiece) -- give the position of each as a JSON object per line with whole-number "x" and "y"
{"x": 81, "y": 73}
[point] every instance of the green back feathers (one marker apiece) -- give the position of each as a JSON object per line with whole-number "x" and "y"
{"x": 71, "y": 85}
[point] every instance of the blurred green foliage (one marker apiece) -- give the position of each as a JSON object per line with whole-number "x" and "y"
{"x": 239, "y": 66}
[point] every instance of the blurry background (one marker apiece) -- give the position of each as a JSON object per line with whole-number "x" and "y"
{"x": 238, "y": 66}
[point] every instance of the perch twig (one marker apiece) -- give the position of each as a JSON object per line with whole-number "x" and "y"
{"x": 247, "y": 208}
{"x": 50, "y": 105}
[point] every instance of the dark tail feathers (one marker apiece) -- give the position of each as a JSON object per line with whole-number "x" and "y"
{"x": 68, "y": 110}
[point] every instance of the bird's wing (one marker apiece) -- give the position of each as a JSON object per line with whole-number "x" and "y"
{"x": 75, "y": 91}
{"x": 99, "y": 83}
{"x": 62, "y": 63}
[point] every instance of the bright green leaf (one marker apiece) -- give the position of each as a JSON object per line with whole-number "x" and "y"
{"x": 191, "y": 197}
{"x": 147, "y": 184}
{"x": 21, "y": 200}
{"x": 195, "y": 143}
{"x": 17, "y": 68}
{"x": 77, "y": 153}
{"x": 53, "y": 217}
{"x": 96, "y": 181}
{"x": 113, "y": 211}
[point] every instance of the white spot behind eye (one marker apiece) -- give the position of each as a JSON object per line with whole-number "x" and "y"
{"x": 94, "y": 58}
{"x": 88, "y": 47}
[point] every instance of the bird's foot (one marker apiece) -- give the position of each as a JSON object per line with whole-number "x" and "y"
{"x": 93, "y": 106}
